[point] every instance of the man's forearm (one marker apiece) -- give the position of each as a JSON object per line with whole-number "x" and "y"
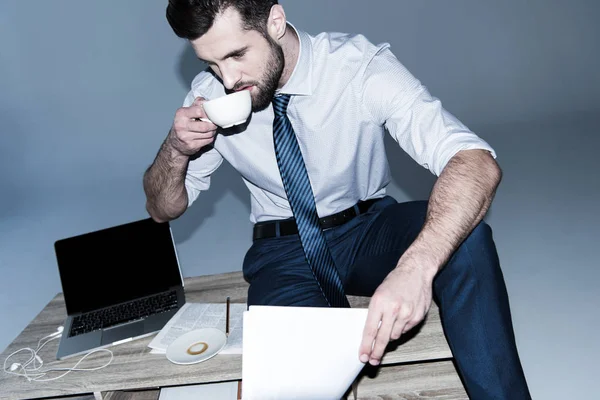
{"x": 459, "y": 200}
{"x": 164, "y": 185}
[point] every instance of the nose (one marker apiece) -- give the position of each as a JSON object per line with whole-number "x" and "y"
{"x": 230, "y": 75}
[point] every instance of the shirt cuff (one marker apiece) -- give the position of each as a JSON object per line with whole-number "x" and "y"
{"x": 454, "y": 143}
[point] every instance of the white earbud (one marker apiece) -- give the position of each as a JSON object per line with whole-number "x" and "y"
{"x": 58, "y": 332}
{"x": 14, "y": 366}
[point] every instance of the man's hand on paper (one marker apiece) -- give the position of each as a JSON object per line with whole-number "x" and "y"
{"x": 399, "y": 303}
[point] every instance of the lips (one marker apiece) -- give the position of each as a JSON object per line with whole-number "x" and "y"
{"x": 244, "y": 88}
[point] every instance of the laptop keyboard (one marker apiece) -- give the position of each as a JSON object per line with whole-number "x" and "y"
{"x": 123, "y": 313}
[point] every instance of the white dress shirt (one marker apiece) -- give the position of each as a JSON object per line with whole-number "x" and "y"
{"x": 345, "y": 92}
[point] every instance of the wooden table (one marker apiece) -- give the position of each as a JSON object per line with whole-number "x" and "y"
{"x": 418, "y": 367}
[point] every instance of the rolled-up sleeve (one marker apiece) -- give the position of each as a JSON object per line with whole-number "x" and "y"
{"x": 200, "y": 169}
{"x": 197, "y": 178}
{"x": 413, "y": 117}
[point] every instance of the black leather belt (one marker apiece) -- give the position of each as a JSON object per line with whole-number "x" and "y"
{"x": 268, "y": 229}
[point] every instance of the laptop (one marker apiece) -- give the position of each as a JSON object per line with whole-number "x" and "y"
{"x": 119, "y": 283}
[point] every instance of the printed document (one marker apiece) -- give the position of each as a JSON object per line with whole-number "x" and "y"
{"x": 202, "y": 315}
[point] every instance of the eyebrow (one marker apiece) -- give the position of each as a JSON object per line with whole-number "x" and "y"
{"x": 230, "y": 54}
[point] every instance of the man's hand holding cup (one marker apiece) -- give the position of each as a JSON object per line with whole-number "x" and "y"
{"x": 192, "y": 130}
{"x": 196, "y": 126}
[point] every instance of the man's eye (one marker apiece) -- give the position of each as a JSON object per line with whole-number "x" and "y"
{"x": 239, "y": 56}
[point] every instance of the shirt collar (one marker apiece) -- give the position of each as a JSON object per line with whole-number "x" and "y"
{"x": 300, "y": 82}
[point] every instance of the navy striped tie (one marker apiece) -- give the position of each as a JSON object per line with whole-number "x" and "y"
{"x": 302, "y": 201}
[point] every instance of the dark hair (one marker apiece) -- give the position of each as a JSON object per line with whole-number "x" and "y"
{"x": 191, "y": 19}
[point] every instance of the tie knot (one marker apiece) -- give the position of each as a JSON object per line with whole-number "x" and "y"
{"x": 280, "y": 104}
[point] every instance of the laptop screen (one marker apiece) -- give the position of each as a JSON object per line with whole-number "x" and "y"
{"x": 117, "y": 264}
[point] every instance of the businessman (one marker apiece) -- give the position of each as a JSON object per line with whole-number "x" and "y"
{"x": 312, "y": 156}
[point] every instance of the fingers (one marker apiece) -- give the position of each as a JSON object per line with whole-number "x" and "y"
{"x": 409, "y": 325}
{"x": 189, "y": 134}
{"x": 385, "y": 322}
{"x": 398, "y": 329}
{"x": 382, "y": 339}
{"x": 199, "y": 100}
{"x": 417, "y": 316}
{"x": 393, "y": 321}
{"x": 200, "y": 129}
{"x": 189, "y": 118}
{"x": 189, "y": 130}
{"x": 376, "y": 333}
{"x": 370, "y": 330}
{"x": 188, "y": 124}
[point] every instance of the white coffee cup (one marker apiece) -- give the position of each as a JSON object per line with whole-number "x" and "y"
{"x": 229, "y": 110}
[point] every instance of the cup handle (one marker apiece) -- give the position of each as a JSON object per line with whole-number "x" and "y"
{"x": 203, "y": 120}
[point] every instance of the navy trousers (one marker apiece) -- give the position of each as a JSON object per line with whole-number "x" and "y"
{"x": 469, "y": 290}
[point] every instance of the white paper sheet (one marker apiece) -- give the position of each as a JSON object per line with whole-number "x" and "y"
{"x": 300, "y": 352}
{"x": 202, "y": 315}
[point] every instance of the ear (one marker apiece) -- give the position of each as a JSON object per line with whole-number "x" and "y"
{"x": 277, "y": 23}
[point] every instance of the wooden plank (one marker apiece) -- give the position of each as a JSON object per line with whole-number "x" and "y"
{"x": 424, "y": 381}
{"x": 135, "y": 368}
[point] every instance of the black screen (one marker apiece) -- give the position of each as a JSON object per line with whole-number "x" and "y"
{"x": 117, "y": 264}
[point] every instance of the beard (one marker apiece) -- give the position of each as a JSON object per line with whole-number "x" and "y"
{"x": 267, "y": 85}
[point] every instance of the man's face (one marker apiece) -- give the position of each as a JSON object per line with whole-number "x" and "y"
{"x": 243, "y": 60}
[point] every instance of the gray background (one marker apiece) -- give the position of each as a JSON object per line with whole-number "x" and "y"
{"x": 88, "y": 91}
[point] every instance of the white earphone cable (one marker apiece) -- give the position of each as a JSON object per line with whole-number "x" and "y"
{"x": 35, "y": 373}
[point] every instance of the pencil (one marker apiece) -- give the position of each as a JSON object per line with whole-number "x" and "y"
{"x": 227, "y": 319}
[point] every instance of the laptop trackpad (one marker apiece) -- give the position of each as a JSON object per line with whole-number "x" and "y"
{"x": 110, "y": 335}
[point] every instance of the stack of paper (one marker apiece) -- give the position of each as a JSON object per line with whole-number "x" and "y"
{"x": 300, "y": 352}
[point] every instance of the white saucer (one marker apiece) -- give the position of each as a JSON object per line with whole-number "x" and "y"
{"x": 196, "y": 346}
